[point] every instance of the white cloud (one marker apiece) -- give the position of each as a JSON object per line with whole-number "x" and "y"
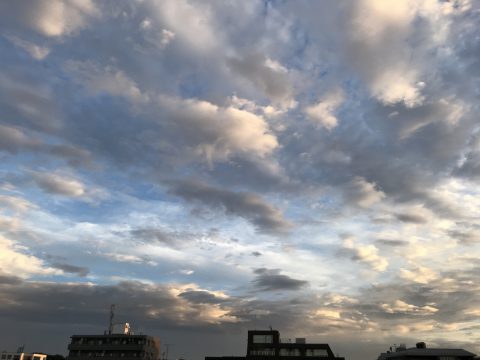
{"x": 53, "y": 18}
{"x": 217, "y": 132}
{"x": 381, "y": 47}
{"x": 419, "y": 274}
{"x": 192, "y": 24}
{"x": 367, "y": 254}
{"x": 166, "y": 38}
{"x": 363, "y": 193}
{"x": 324, "y": 111}
{"x": 400, "y": 306}
{"x": 16, "y": 203}
{"x": 15, "y": 262}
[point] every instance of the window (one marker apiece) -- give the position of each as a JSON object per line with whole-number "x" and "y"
{"x": 4, "y": 356}
{"x": 262, "y": 339}
{"x": 289, "y": 352}
{"x": 263, "y": 352}
{"x": 316, "y": 352}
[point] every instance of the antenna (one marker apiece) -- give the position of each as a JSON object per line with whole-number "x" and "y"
{"x": 112, "y": 313}
{"x": 167, "y": 346}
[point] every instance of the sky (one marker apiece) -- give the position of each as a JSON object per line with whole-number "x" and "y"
{"x": 211, "y": 167}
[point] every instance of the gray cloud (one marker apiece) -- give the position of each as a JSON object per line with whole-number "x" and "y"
{"x": 391, "y": 242}
{"x": 273, "y": 82}
{"x": 411, "y": 218}
{"x": 247, "y": 205}
{"x": 169, "y": 238}
{"x": 6, "y": 279}
{"x": 272, "y": 280}
{"x": 201, "y": 297}
{"x": 73, "y": 269}
{"x": 59, "y": 184}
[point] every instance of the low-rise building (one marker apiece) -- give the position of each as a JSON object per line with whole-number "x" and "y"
{"x": 267, "y": 345}
{"x": 22, "y": 356}
{"x": 421, "y": 352}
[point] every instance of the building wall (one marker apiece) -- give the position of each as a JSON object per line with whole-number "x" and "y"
{"x": 114, "y": 347}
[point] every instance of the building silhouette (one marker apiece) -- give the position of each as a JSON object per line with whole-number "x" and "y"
{"x": 267, "y": 345}
{"x": 120, "y": 343}
{"x": 421, "y": 352}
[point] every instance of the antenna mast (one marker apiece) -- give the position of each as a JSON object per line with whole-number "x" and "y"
{"x": 112, "y": 313}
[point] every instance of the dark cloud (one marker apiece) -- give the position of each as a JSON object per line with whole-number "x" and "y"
{"x": 6, "y": 279}
{"x": 466, "y": 236}
{"x": 247, "y": 205}
{"x": 411, "y": 218}
{"x": 256, "y": 253}
{"x": 201, "y": 297}
{"x": 272, "y": 280}
{"x": 73, "y": 269}
{"x": 391, "y": 242}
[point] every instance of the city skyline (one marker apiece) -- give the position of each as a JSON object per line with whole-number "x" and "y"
{"x": 213, "y": 167}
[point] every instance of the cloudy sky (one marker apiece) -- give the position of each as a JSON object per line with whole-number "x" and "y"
{"x": 217, "y": 166}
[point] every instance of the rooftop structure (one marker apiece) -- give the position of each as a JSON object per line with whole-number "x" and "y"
{"x": 267, "y": 345}
{"x": 421, "y": 352}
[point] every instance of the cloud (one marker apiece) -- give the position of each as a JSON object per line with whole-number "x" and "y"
{"x": 106, "y": 79}
{"x": 411, "y": 218}
{"x": 419, "y": 274}
{"x": 252, "y": 207}
{"x": 162, "y": 236}
{"x": 202, "y": 297}
{"x": 192, "y": 24}
{"x": 465, "y": 236}
{"x": 161, "y": 305}
{"x": 13, "y": 140}
{"x": 266, "y": 75}
{"x": 16, "y": 262}
{"x": 391, "y": 242}
{"x": 51, "y": 18}
{"x": 367, "y": 254}
{"x": 56, "y": 183}
{"x": 36, "y": 51}
{"x": 218, "y": 132}
{"x": 16, "y": 203}
{"x": 363, "y": 193}
{"x": 400, "y": 306}
{"x": 324, "y": 111}
{"x": 69, "y": 268}
{"x": 272, "y": 280}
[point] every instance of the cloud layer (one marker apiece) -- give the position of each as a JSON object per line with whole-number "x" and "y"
{"x": 216, "y": 167}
